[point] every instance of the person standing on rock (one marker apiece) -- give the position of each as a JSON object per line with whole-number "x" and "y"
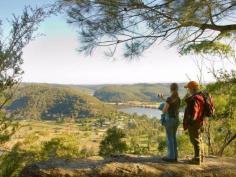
{"x": 171, "y": 122}
{"x": 193, "y": 119}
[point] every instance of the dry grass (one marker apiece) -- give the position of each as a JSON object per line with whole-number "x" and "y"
{"x": 31, "y": 134}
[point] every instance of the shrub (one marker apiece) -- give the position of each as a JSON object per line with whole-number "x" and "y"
{"x": 184, "y": 145}
{"x": 11, "y": 163}
{"x": 61, "y": 147}
{"x": 135, "y": 148}
{"x": 113, "y": 142}
{"x": 162, "y": 145}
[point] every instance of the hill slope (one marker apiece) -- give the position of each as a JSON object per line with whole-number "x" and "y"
{"x": 48, "y": 102}
{"x": 136, "y": 92}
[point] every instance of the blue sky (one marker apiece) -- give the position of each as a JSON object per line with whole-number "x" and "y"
{"x": 53, "y": 58}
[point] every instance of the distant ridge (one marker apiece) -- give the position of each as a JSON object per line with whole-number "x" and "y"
{"x": 143, "y": 92}
{"x": 51, "y": 101}
{"x": 135, "y": 92}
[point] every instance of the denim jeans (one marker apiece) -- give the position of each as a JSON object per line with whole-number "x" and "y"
{"x": 171, "y": 125}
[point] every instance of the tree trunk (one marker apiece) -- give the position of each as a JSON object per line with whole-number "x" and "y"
{"x": 221, "y": 151}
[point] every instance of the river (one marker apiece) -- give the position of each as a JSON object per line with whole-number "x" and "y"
{"x": 144, "y": 111}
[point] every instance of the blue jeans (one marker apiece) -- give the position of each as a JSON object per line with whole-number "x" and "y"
{"x": 171, "y": 125}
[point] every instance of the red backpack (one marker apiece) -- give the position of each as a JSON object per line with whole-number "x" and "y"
{"x": 209, "y": 107}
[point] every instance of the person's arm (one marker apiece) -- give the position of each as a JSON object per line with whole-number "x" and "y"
{"x": 166, "y": 107}
{"x": 196, "y": 109}
{"x": 193, "y": 110}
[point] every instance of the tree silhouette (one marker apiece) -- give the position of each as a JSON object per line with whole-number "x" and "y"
{"x": 21, "y": 32}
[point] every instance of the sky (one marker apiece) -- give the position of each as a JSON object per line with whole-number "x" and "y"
{"x": 54, "y": 57}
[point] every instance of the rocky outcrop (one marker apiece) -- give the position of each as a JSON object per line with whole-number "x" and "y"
{"x": 127, "y": 166}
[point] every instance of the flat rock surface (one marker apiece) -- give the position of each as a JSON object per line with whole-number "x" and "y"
{"x": 131, "y": 166}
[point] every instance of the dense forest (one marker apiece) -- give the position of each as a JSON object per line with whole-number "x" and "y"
{"x": 43, "y": 101}
{"x": 136, "y": 92}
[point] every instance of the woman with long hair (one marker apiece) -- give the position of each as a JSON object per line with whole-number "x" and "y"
{"x": 171, "y": 122}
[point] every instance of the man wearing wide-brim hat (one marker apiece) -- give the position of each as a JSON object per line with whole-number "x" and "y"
{"x": 193, "y": 119}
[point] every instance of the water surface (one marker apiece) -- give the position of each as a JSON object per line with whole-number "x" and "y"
{"x": 150, "y": 112}
{"x": 143, "y": 111}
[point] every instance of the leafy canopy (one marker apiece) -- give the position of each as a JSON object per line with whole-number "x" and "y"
{"x": 197, "y": 25}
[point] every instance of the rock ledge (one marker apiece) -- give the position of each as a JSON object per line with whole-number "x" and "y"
{"x": 129, "y": 166}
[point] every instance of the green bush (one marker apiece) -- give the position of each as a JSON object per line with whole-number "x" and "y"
{"x": 113, "y": 142}
{"x": 162, "y": 145}
{"x": 61, "y": 147}
{"x": 11, "y": 163}
{"x": 184, "y": 145}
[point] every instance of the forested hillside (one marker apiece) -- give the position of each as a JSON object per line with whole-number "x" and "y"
{"x": 136, "y": 92}
{"x": 43, "y": 101}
